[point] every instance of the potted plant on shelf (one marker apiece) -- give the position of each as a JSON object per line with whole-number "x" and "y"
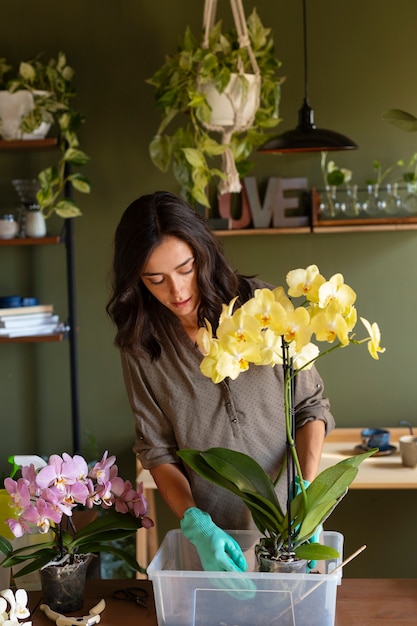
{"x": 268, "y": 330}
{"x": 44, "y": 499}
{"x": 48, "y": 90}
{"x": 200, "y": 148}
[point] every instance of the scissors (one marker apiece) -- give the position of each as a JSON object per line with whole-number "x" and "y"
{"x": 134, "y": 594}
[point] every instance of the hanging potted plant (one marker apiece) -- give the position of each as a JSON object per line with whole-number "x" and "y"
{"x": 47, "y": 90}
{"x": 268, "y": 330}
{"x": 237, "y": 69}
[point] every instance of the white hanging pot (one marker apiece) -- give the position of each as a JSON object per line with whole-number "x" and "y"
{"x": 13, "y": 107}
{"x": 238, "y": 103}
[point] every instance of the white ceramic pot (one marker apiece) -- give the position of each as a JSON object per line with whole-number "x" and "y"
{"x": 35, "y": 222}
{"x": 14, "y": 106}
{"x": 237, "y": 104}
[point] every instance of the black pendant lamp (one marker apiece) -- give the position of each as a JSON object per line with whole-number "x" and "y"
{"x": 307, "y": 137}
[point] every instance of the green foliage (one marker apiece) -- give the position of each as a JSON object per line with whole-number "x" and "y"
{"x": 189, "y": 148}
{"x": 52, "y": 87}
{"x": 401, "y": 119}
{"x": 101, "y": 535}
{"x": 244, "y": 477}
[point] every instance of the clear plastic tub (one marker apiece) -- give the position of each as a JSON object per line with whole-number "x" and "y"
{"x": 187, "y": 596}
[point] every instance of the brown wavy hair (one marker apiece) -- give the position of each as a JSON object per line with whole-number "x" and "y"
{"x": 134, "y": 310}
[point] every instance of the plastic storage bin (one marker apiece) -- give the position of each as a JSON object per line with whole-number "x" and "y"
{"x": 187, "y": 596}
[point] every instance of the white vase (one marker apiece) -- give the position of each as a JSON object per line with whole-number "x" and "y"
{"x": 35, "y": 224}
{"x": 14, "y": 106}
{"x": 237, "y": 104}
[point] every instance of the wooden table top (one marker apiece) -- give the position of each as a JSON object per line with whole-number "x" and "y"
{"x": 360, "y": 602}
{"x": 377, "y": 472}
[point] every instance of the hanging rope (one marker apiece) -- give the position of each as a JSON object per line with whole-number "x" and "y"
{"x": 236, "y": 92}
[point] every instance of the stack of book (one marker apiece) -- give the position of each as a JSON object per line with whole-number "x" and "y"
{"x": 29, "y": 321}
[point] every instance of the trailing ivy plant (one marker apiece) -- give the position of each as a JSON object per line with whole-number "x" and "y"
{"x": 52, "y": 87}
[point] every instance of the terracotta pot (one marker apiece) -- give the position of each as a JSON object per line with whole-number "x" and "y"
{"x": 63, "y": 586}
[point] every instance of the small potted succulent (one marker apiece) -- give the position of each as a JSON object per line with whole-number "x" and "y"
{"x": 48, "y": 91}
{"x": 198, "y": 148}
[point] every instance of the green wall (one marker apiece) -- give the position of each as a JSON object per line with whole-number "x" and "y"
{"x": 361, "y": 62}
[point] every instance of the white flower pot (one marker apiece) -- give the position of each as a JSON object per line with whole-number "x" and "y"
{"x": 237, "y": 104}
{"x": 14, "y": 106}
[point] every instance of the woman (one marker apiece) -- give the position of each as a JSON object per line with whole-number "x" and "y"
{"x": 169, "y": 275}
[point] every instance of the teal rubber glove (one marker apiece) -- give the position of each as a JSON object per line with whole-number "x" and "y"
{"x": 295, "y": 490}
{"x": 218, "y": 551}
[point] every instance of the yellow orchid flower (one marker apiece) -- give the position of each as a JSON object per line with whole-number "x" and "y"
{"x": 255, "y": 332}
{"x": 298, "y": 327}
{"x": 374, "y": 338}
{"x": 335, "y": 290}
{"x": 266, "y": 310}
{"x": 330, "y": 325}
{"x": 305, "y": 282}
{"x": 204, "y": 339}
{"x": 351, "y": 318}
{"x": 208, "y": 367}
{"x": 282, "y": 298}
{"x": 235, "y": 357}
{"x": 241, "y": 326}
{"x": 227, "y": 310}
{"x": 305, "y": 357}
{"x": 271, "y": 349}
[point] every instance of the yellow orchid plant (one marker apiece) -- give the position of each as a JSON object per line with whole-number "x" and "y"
{"x": 270, "y": 330}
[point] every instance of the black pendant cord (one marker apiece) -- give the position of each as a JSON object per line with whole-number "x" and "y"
{"x": 305, "y": 52}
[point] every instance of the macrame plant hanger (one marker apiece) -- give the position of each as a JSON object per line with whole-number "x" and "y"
{"x": 232, "y": 182}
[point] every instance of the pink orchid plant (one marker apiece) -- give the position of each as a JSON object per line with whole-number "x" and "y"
{"x": 43, "y": 500}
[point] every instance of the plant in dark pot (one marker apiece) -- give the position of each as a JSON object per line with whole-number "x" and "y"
{"x": 269, "y": 330}
{"x": 236, "y": 70}
{"x": 47, "y": 89}
{"x": 44, "y": 500}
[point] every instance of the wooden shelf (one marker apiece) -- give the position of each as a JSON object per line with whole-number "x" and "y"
{"x": 28, "y": 144}
{"x": 263, "y": 231}
{"x": 32, "y": 241}
{"x": 318, "y": 226}
{"x": 56, "y": 337}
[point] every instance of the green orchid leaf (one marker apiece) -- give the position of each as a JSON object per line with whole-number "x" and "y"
{"x": 125, "y": 556}
{"x": 355, "y": 461}
{"x": 266, "y": 511}
{"x": 40, "y": 556}
{"x": 112, "y": 520}
{"x": 316, "y": 552}
{"x": 5, "y": 546}
{"x": 241, "y": 470}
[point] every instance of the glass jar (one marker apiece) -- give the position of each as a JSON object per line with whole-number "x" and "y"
{"x": 352, "y": 203}
{"x": 410, "y": 202}
{"x": 35, "y": 222}
{"x": 394, "y": 204}
{"x": 9, "y": 228}
{"x": 371, "y": 205}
